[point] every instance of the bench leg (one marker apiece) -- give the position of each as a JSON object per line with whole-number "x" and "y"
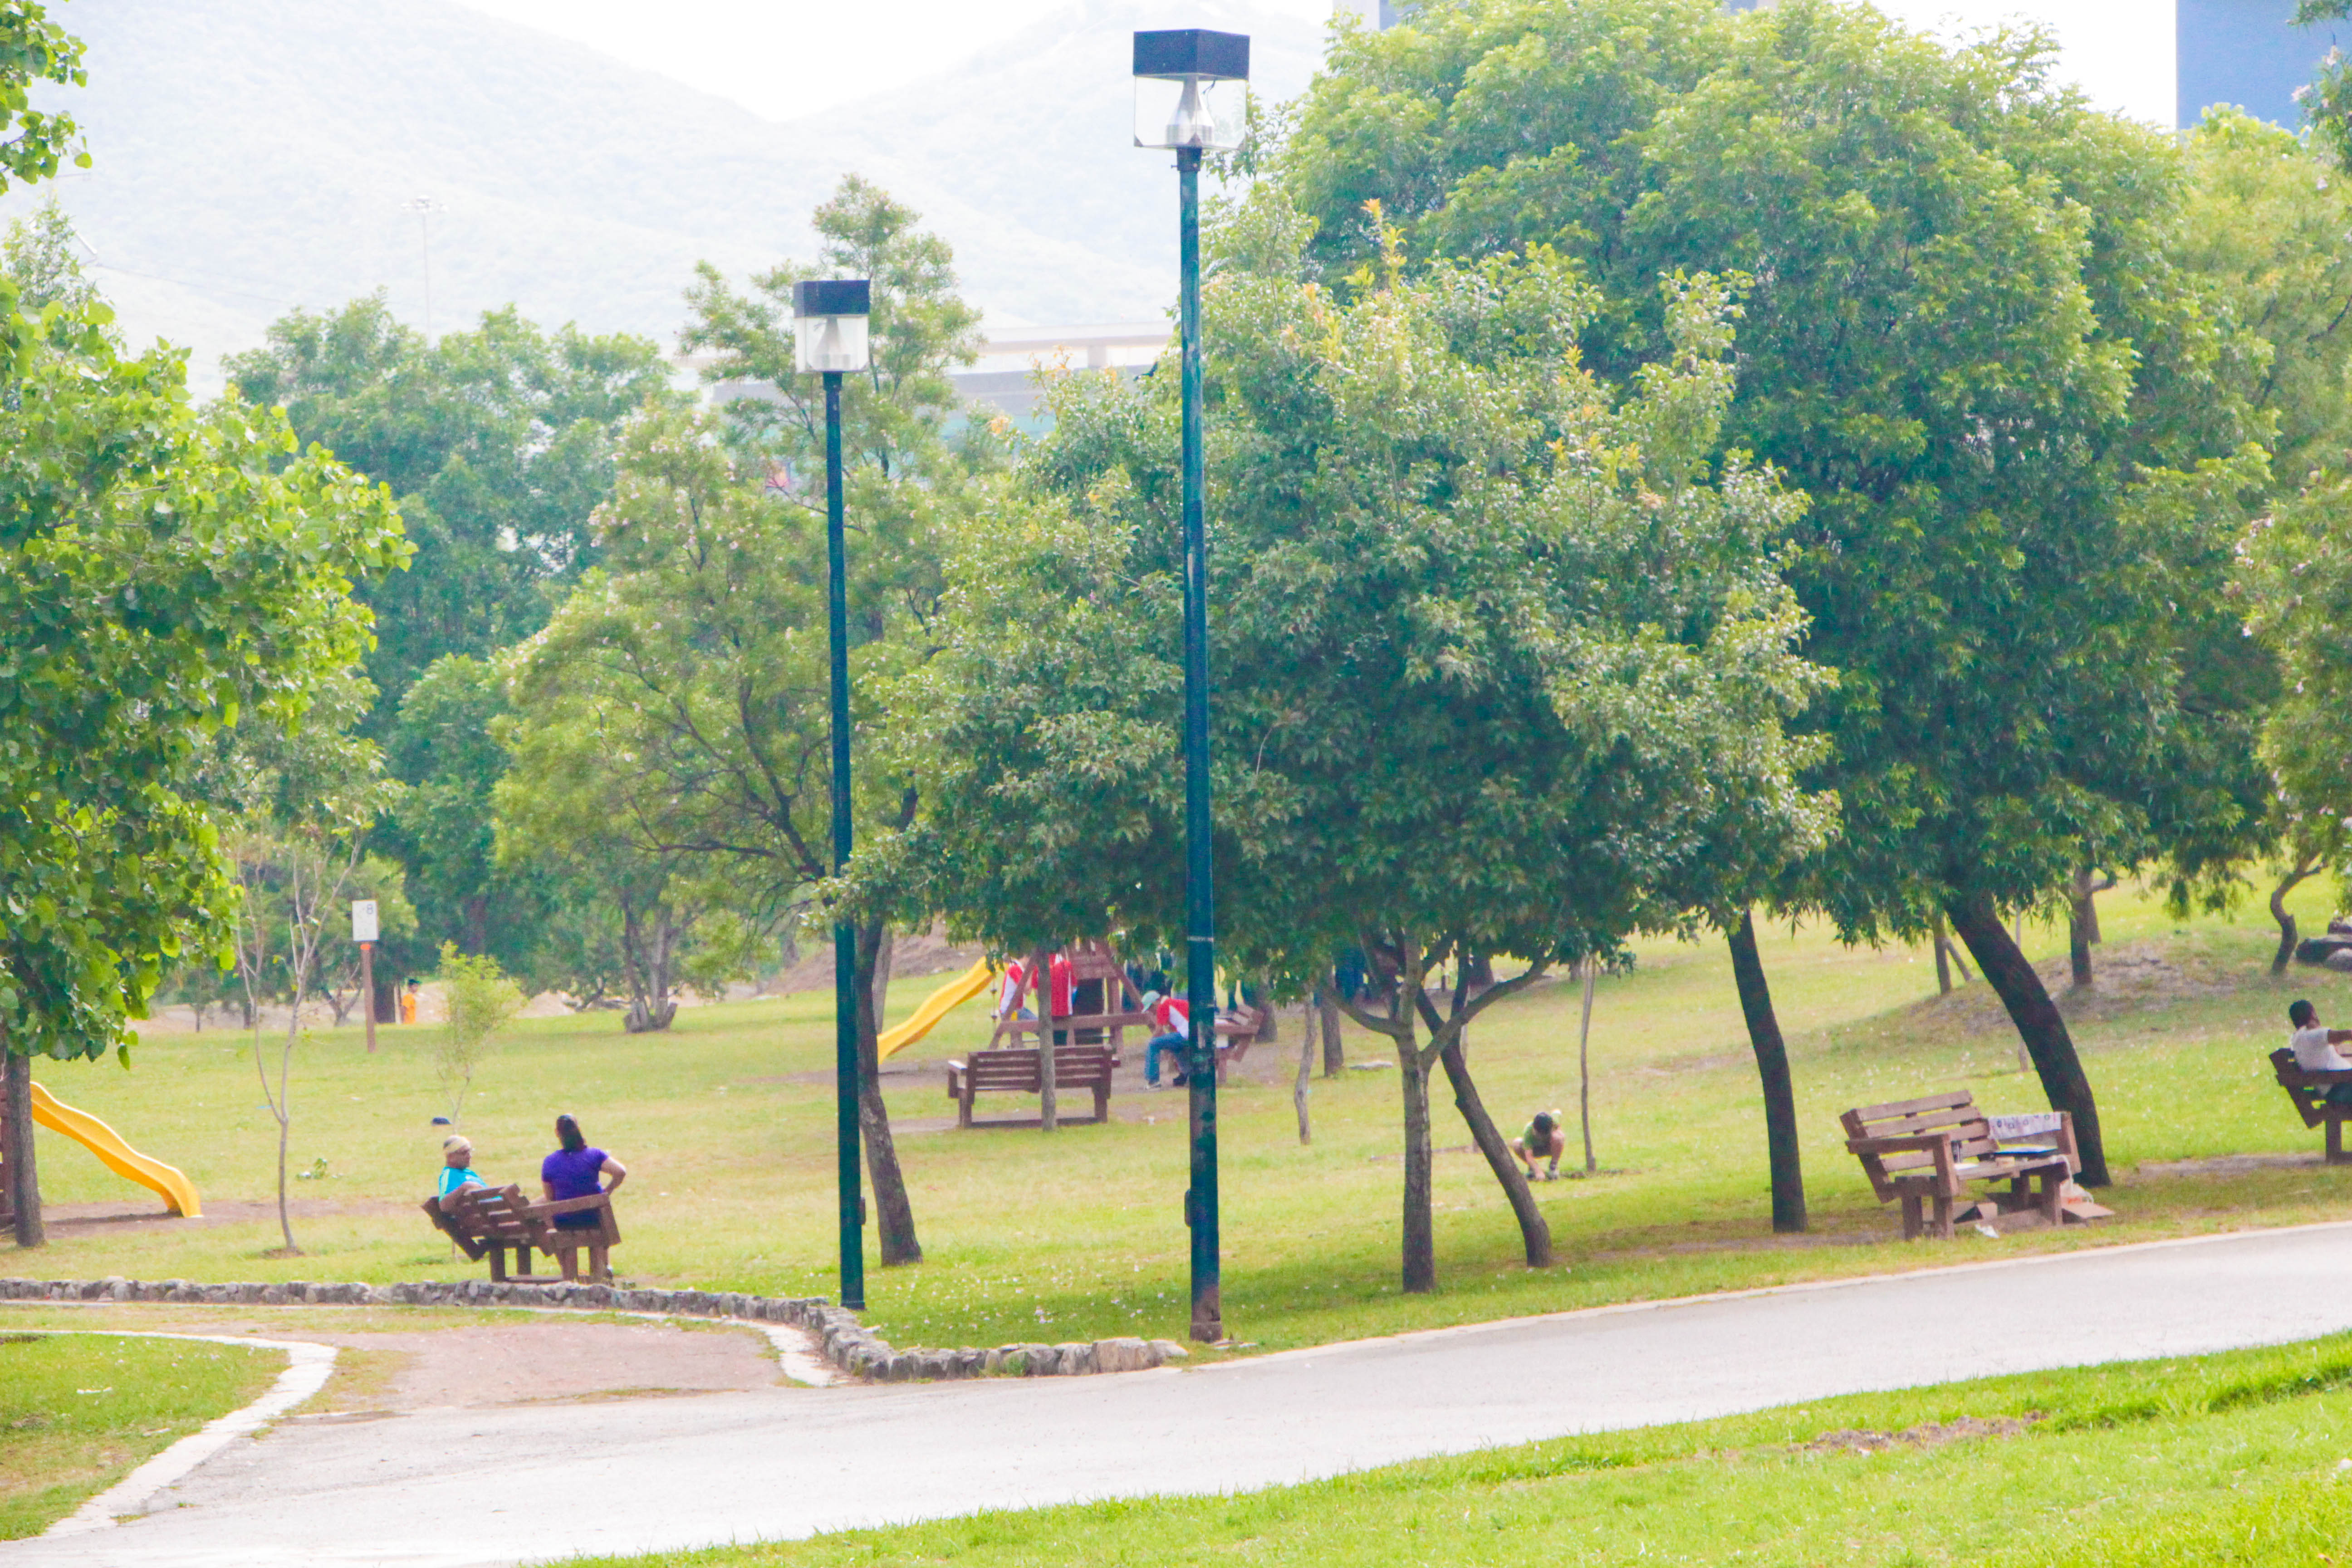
{"x": 1943, "y": 1217}
{"x": 1910, "y": 1216}
{"x": 1102, "y": 1102}
{"x": 2054, "y": 1195}
{"x": 964, "y": 1108}
{"x": 498, "y": 1264}
{"x": 600, "y": 1267}
{"x": 568, "y": 1261}
{"x": 2336, "y": 1141}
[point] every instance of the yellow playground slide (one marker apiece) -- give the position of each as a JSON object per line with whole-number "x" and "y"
{"x": 118, "y": 1156}
{"x": 937, "y": 1005}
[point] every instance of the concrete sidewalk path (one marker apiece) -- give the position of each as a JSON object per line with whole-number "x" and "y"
{"x": 526, "y": 1484}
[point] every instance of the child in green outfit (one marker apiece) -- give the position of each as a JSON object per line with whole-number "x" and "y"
{"x": 1541, "y": 1138}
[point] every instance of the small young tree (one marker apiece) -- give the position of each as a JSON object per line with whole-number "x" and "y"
{"x": 479, "y": 1003}
{"x": 303, "y": 800}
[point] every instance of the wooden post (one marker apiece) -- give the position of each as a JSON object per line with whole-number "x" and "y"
{"x": 367, "y": 989}
{"x": 1042, "y": 975}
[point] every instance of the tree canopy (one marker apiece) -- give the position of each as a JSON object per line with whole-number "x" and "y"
{"x": 161, "y": 572}
{"x": 1963, "y": 336}
{"x": 1501, "y": 660}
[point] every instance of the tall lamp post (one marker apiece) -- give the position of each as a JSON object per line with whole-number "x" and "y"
{"x": 1188, "y": 97}
{"x": 829, "y": 316}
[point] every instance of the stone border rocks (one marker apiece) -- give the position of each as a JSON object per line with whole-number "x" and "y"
{"x": 848, "y": 1343}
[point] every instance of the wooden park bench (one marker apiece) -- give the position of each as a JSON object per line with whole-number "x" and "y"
{"x": 1927, "y": 1152}
{"x": 2308, "y": 1090}
{"x": 1015, "y": 1071}
{"x": 488, "y": 1221}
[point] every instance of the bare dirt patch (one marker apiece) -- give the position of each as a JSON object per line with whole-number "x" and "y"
{"x": 1929, "y": 1435}
{"x": 117, "y": 1219}
{"x": 2131, "y": 977}
{"x": 518, "y": 1364}
{"x": 2231, "y": 1166}
{"x": 912, "y": 957}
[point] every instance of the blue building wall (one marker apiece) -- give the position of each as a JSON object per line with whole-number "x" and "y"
{"x": 2248, "y": 53}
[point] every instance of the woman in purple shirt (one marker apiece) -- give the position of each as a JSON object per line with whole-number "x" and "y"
{"x": 572, "y": 1171}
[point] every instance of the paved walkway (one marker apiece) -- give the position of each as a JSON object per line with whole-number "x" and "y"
{"x": 468, "y": 1488}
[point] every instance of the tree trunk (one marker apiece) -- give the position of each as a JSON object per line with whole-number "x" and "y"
{"x": 2304, "y": 867}
{"x": 1306, "y": 1064}
{"x": 387, "y": 1001}
{"x": 1335, "y": 1053}
{"x": 478, "y": 925}
{"x": 1269, "y": 1017}
{"x": 22, "y": 1173}
{"x": 1419, "y": 1243}
{"x": 1584, "y": 1066}
{"x": 894, "y": 1216}
{"x": 1477, "y": 973}
{"x": 1947, "y": 961}
{"x": 2083, "y": 921}
{"x": 1535, "y": 1232}
{"x": 1772, "y": 1069}
{"x": 2040, "y": 1027}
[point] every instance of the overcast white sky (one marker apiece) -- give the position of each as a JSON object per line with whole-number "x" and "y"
{"x": 788, "y": 60}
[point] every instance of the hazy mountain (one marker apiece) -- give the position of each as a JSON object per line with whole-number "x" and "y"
{"x": 254, "y": 155}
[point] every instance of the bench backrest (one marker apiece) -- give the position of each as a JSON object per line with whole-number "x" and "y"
{"x": 491, "y": 1213}
{"x": 1953, "y": 1116}
{"x": 1015, "y": 1071}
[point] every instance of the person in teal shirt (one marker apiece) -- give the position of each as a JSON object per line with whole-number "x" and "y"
{"x": 457, "y": 1171}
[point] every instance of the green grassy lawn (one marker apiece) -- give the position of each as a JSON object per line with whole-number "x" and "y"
{"x": 726, "y": 1125}
{"x": 77, "y": 1412}
{"x": 2242, "y": 1458}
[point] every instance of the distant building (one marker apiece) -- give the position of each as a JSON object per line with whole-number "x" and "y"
{"x": 2248, "y": 53}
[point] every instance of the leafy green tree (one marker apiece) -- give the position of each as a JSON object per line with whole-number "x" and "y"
{"x": 298, "y": 804}
{"x": 644, "y": 915}
{"x": 160, "y": 571}
{"x": 2266, "y": 219}
{"x": 480, "y": 1002}
{"x": 34, "y": 142}
{"x": 498, "y": 443}
{"x": 2327, "y": 100}
{"x": 702, "y": 660}
{"x": 442, "y": 745}
{"x": 37, "y": 256}
{"x": 2019, "y": 576}
{"x": 1498, "y": 657}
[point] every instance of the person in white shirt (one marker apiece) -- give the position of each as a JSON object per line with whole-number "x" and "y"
{"x": 2315, "y": 1049}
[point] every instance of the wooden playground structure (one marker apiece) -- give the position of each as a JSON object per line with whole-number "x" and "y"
{"x": 1087, "y": 1042}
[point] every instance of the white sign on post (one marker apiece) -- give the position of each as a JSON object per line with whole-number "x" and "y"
{"x": 364, "y": 919}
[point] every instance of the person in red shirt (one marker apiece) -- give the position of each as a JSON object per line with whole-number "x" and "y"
{"x": 1057, "y": 970}
{"x": 1173, "y": 1019}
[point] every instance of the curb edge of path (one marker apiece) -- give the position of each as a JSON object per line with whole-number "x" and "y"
{"x": 1797, "y": 1286}
{"x": 307, "y": 1368}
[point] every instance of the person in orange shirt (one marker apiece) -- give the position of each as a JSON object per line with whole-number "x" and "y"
{"x": 408, "y": 1004}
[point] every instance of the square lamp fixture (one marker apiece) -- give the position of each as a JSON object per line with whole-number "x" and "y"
{"x": 829, "y": 323}
{"x": 1188, "y": 88}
